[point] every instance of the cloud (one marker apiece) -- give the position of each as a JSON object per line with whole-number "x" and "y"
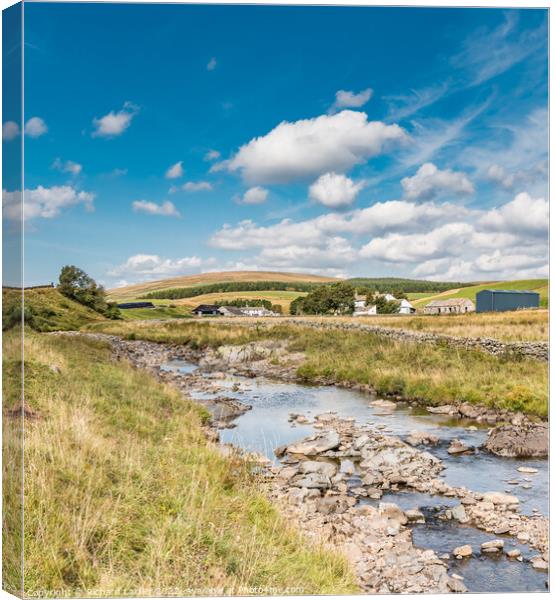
{"x": 67, "y": 167}
{"x": 212, "y": 64}
{"x": 212, "y": 155}
{"x": 335, "y": 191}
{"x": 254, "y": 195}
{"x": 115, "y": 123}
{"x": 152, "y": 265}
{"x": 166, "y": 209}
{"x": 490, "y": 52}
{"x": 44, "y": 202}
{"x": 403, "y": 106}
{"x": 35, "y": 127}
{"x": 10, "y": 130}
{"x": 310, "y": 147}
{"x": 197, "y": 186}
{"x": 175, "y": 171}
{"x": 429, "y": 181}
{"x": 522, "y": 215}
{"x": 498, "y": 174}
{"x": 346, "y": 99}
{"x": 439, "y": 240}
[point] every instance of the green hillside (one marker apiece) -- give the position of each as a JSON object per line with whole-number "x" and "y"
{"x": 537, "y": 285}
{"x": 45, "y": 310}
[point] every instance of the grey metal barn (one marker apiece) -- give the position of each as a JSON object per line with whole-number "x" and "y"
{"x": 501, "y": 300}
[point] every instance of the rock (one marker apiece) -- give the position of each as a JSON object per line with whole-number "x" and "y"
{"x": 499, "y": 498}
{"x": 492, "y": 546}
{"x": 456, "y": 585}
{"x": 446, "y": 409}
{"x": 312, "y": 481}
{"x": 415, "y": 438}
{"x": 459, "y": 513}
{"x": 458, "y": 447}
{"x": 463, "y": 551}
{"x": 527, "y": 470}
{"x": 539, "y": 563}
{"x": 515, "y": 553}
{"x": 522, "y": 440}
{"x": 415, "y": 516}
{"x": 392, "y": 511}
{"x": 313, "y": 466}
{"x": 316, "y": 444}
{"x": 387, "y": 404}
{"x": 502, "y": 530}
{"x": 523, "y": 536}
{"x": 280, "y": 451}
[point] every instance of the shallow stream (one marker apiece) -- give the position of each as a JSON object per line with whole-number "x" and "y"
{"x": 267, "y": 426}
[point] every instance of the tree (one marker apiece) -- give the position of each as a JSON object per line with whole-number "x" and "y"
{"x": 336, "y": 299}
{"x": 383, "y": 306}
{"x": 77, "y": 285}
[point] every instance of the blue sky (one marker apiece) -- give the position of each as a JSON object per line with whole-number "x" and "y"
{"x": 167, "y": 139}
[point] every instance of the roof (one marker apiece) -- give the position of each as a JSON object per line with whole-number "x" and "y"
{"x": 125, "y": 305}
{"x": 450, "y": 302}
{"x": 510, "y": 292}
{"x": 206, "y": 308}
{"x": 233, "y": 310}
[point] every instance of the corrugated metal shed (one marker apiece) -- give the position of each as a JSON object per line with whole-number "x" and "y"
{"x": 501, "y": 300}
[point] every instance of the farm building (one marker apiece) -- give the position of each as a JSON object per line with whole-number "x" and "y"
{"x": 362, "y": 309}
{"x": 449, "y": 307}
{"x": 406, "y": 308}
{"x": 204, "y": 310}
{"x": 231, "y": 311}
{"x": 501, "y": 300}
{"x": 126, "y": 305}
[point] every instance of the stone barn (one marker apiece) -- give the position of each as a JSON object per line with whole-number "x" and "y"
{"x": 452, "y": 306}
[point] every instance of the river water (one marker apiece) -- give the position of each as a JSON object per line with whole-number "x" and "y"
{"x": 267, "y": 426}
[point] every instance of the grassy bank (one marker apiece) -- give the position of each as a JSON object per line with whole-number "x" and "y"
{"x": 123, "y": 495}
{"x": 514, "y": 326}
{"x": 435, "y": 374}
{"x": 46, "y": 310}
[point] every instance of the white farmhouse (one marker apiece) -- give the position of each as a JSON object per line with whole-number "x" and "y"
{"x": 362, "y": 309}
{"x": 406, "y": 308}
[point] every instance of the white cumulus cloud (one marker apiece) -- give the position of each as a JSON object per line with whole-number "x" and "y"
{"x": 35, "y": 127}
{"x": 311, "y": 147}
{"x": 335, "y": 191}
{"x": 523, "y": 214}
{"x": 197, "y": 186}
{"x": 347, "y": 99}
{"x": 166, "y": 209}
{"x": 175, "y": 171}
{"x": 69, "y": 166}
{"x": 42, "y": 202}
{"x": 254, "y": 195}
{"x": 429, "y": 181}
{"x": 115, "y": 123}
{"x": 153, "y": 265}
{"x": 212, "y": 155}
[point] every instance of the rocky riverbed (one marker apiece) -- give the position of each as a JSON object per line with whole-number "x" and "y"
{"x": 371, "y": 476}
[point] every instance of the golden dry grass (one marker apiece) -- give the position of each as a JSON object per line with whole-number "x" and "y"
{"x": 514, "y": 326}
{"x": 139, "y": 289}
{"x": 125, "y": 497}
{"x": 432, "y": 373}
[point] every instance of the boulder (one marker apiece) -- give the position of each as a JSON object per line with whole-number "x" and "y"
{"x": 315, "y": 466}
{"x": 492, "y": 546}
{"x": 463, "y": 551}
{"x": 415, "y": 438}
{"x": 415, "y": 516}
{"x": 530, "y": 470}
{"x": 515, "y": 553}
{"x": 539, "y": 563}
{"x": 499, "y": 498}
{"x": 312, "y": 481}
{"x": 392, "y": 511}
{"x": 524, "y": 440}
{"x": 459, "y": 513}
{"x": 316, "y": 444}
{"x": 446, "y": 409}
{"x": 458, "y": 447}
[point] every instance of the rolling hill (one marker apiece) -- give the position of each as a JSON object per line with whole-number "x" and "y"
{"x": 140, "y": 289}
{"x": 537, "y": 285}
{"x": 46, "y": 310}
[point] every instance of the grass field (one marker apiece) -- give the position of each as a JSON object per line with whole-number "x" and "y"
{"x": 48, "y": 309}
{"x": 140, "y": 289}
{"x": 434, "y": 374}
{"x": 124, "y": 496}
{"x": 537, "y": 285}
{"x": 513, "y": 326}
{"x": 281, "y": 297}
{"x": 160, "y": 312}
